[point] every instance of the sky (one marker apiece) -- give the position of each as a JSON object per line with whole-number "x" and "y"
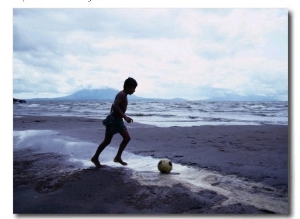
{"x": 193, "y": 53}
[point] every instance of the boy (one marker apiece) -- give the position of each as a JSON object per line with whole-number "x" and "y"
{"x": 114, "y": 123}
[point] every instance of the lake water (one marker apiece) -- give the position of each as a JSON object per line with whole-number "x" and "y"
{"x": 168, "y": 113}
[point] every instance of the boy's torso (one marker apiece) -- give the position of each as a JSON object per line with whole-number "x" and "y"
{"x": 121, "y": 101}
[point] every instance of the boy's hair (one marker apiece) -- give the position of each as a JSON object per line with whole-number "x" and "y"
{"x": 130, "y": 82}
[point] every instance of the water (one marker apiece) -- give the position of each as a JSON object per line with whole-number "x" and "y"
{"x": 144, "y": 170}
{"x": 168, "y": 113}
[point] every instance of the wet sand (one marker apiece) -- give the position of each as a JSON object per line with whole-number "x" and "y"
{"x": 258, "y": 154}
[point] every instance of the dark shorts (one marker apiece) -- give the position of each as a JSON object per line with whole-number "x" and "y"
{"x": 114, "y": 125}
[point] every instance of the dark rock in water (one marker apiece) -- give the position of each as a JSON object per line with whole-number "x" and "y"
{"x": 18, "y": 100}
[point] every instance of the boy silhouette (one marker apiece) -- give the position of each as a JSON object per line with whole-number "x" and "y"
{"x": 114, "y": 123}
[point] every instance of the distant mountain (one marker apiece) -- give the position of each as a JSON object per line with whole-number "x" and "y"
{"x": 93, "y": 94}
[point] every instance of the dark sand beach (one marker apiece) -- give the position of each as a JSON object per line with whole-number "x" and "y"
{"x": 256, "y": 154}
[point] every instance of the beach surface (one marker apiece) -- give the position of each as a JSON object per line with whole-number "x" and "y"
{"x": 217, "y": 169}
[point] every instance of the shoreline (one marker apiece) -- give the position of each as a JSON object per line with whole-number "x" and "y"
{"x": 256, "y": 153}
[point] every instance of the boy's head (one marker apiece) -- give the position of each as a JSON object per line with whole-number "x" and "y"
{"x": 129, "y": 85}
{"x": 130, "y": 82}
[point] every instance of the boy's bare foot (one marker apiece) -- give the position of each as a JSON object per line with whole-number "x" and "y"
{"x": 119, "y": 160}
{"x": 96, "y": 162}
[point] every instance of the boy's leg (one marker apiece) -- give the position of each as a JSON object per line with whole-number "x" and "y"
{"x": 126, "y": 138}
{"x": 101, "y": 147}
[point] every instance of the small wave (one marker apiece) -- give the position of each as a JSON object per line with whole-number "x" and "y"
{"x": 193, "y": 117}
{"x": 150, "y": 114}
{"x": 33, "y": 105}
{"x": 141, "y": 114}
{"x": 261, "y": 114}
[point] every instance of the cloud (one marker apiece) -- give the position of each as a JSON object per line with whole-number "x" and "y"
{"x": 171, "y": 52}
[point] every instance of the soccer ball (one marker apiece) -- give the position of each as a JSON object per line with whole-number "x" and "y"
{"x": 164, "y": 165}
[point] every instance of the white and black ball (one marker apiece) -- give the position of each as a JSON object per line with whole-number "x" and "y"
{"x": 165, "y": 165}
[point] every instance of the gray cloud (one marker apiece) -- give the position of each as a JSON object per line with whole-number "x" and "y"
{"x": 60, "y": 51}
